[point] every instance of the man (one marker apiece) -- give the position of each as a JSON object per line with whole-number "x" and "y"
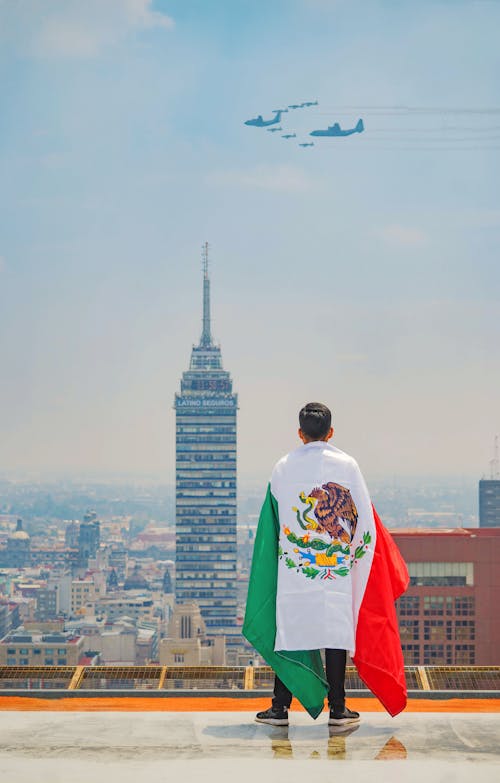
{"x": 312, "y": 584}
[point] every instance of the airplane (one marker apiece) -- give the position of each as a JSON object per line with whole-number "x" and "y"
{"x": 274, "y": 130}
{"x": 289, "y": 136}
{"x": 305, "y": 144}
{"x": 336, "y": 130}
{"x": 309, "y": 103}
{"x": 258, "y": 122}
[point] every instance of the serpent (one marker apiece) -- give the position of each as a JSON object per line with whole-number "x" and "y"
{"x": 310, "y": 524}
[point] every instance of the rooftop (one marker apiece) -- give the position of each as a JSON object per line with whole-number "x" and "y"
{"x": 228, "y": 745}
{"x": 470, "y": 532}
{"x": 20, "y": 635}
{"x": 198, "y": 723}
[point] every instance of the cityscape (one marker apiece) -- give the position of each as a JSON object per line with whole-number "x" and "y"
{"x": 232, "y": 231}
{"x": 116, "y": 573}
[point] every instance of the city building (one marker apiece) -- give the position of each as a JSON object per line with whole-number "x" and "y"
{"x": 17, "y": 553}
{"x": 88, "y": 538}
{"x": 136, "y": 580}
{"x": 147, "y": 645}
{"x": 9, "y": 616}
{"x": 206, "y": 409}
{"x": 112, "y": 581}
{"x": 489, "y": 493}
{"x": 117, "y": 559}
{"x": 124, "y": 641}
{"x": 187, "y": 643}
{"x": 46, "y": 604}
{"x": 449, "y": 613}
{"x": 35, "y": 648}
{"x": 489, "y": 503}
{"x": 167, "y": 585}
{"x": 155, "y": 542}
{"x": 4, "y": 619}
{"x": 57, "y": 557}
{"x": 124, "y": 604}
{"x": 82, "y": 595}
{"x": 61, "y": 581}
{"x": 71, "y": 534}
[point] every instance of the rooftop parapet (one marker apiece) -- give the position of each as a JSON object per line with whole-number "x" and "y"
{"x": 422, "y": 681}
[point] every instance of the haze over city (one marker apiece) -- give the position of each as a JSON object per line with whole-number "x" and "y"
{"x": 363, "y": 274}
{"x": 213, "y": 212}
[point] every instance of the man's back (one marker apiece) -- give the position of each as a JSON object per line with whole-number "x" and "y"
{"x": 326, "y": 543}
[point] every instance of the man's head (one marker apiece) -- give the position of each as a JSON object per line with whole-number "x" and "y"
{"x": 315, "y": 422}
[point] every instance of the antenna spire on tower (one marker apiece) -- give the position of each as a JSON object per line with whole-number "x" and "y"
{"x": 204, "y": 255}
{"x": 206, "y": 335}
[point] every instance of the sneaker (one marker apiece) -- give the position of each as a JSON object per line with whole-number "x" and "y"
{"x": 275, "y": 716}
{"x": 343, "y": 717}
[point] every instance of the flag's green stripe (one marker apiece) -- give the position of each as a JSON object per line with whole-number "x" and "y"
{"x": 301, "y": 670}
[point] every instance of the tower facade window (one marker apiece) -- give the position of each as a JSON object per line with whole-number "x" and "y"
{"x": 185, "y": 627}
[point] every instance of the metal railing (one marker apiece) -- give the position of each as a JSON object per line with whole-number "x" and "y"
{"x": 174, "y": 679}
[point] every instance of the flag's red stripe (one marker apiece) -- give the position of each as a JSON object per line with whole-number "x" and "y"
{"x": 379, "y": 658}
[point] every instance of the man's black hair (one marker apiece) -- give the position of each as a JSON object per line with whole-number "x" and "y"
{"x": 315, "y": 420}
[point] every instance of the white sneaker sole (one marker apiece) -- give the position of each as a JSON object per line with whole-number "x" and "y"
{"x": 273, "y": 721}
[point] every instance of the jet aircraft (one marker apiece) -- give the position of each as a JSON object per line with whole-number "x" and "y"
{"x": 289, "y": 136}
{"x": 306, "y": 144}
{"x": 259, "y": 122}
{"x": 302, "y": 105}
{"x": 336, "y": 130}
{"x": 274, "y": 130}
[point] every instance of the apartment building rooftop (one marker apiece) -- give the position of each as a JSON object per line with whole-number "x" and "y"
{"x": 20, "y": 635}
{"x": 469, "y": 532}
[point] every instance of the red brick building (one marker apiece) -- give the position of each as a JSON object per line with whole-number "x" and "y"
{"x": 450, "y": 614}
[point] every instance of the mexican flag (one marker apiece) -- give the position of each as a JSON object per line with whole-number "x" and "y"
{"x": 325, "y": 573}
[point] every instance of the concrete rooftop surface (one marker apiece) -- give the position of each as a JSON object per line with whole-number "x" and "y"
{"x": 130, "y": 747}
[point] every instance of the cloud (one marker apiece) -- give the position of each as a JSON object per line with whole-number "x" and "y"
{"x": 76, "y": 29}
{"x": 273, "y": 178}
{"x": 402, "y": 236}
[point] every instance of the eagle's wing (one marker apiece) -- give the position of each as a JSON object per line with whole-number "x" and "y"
{"x": 341, "y": 505}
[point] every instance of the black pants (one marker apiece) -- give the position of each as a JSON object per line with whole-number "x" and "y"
{"x": 335, "y": 674}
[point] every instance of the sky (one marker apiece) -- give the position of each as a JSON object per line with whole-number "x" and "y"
{"x": 361, "y": 272}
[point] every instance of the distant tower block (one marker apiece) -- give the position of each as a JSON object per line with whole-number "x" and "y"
{"x": 489, "y": 494}
{"x": 206, "y": 483}
{"x": 89, "y": 536}
{"x": 167, "y": 584}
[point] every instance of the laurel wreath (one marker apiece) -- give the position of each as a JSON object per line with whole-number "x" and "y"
{"x": 310, "y": 572}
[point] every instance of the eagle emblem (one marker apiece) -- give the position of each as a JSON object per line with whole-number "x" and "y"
{"x": 334, "y": 510}
{"x": 335, "y": 513}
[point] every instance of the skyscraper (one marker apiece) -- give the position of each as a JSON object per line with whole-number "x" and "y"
{"x": 489, "y": 493}
{"x": 206, "y": 482}
{"x": 88, "y": 538}
{"x": 489, "y": 503}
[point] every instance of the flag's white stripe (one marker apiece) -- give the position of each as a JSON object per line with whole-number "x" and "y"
{"x": 318, "y": 612}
